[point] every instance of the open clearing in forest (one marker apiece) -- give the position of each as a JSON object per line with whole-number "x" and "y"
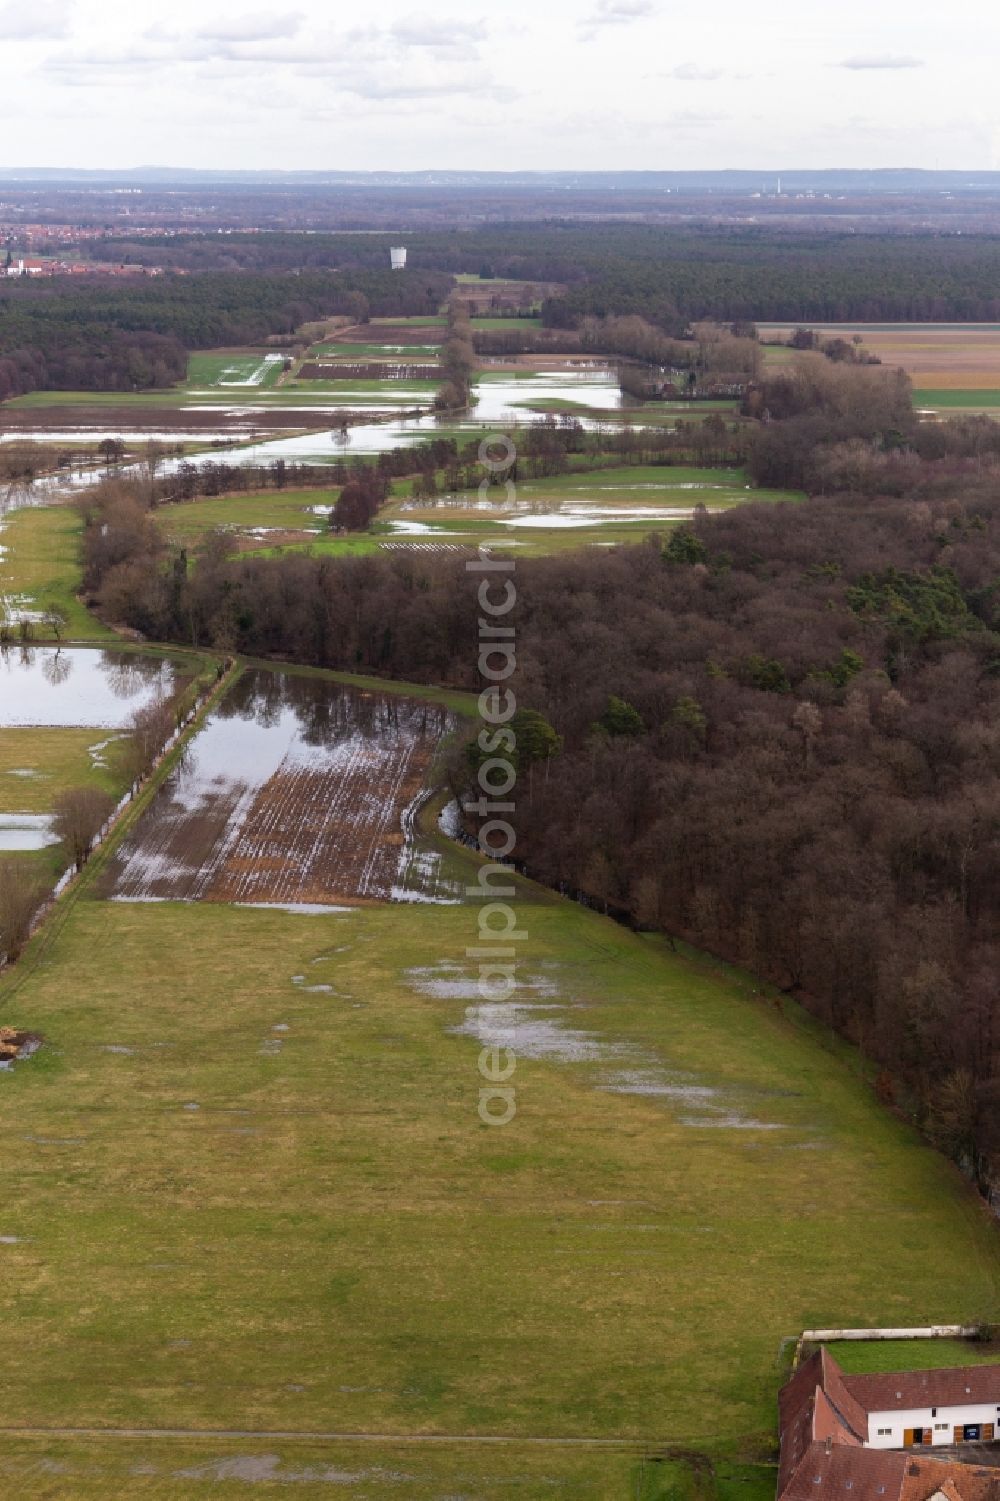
{"x": 599, "y": 505}
{"x": 236, "y": 370}
{"x": 248, "y": 512}
{"x": 294, "y": 792}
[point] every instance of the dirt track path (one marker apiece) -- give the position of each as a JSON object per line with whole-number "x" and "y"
{"x": 295, "y": 1436}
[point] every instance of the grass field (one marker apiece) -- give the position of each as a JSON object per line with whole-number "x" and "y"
{"x": 235, "y": 370}
{"x": 55, "y": 759}
{"x": 187, "y": 521}
{"x": 375, "y": 351}
{"x": 158, "y": 1470}
{"x": 583, "y": 508}
{"x": 971, "y": 400}
{"x": 486, "y": 322}
{"x": 260, "y": 1202}
{"x": 417, "y": 320}
{"x": 911, "y": 1354}
{"x": 248, "y": 1188}
{"x": 36, "y": 765}
{"x": 40, "y": 566}
{"x": 618, "y": 499}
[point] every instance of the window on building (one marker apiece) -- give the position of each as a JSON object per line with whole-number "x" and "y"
{"x": 941, "y": 1427}
{"x": 885, "y": 1433}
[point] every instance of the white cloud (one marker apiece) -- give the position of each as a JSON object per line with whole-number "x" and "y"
{"x": 49, "y": 18}
{"x": 617, "y": 13}
{"x": 878, "y": 61}
{"x": 692, "y": 73}
{"x": 262, "y": 26}
{"x": 441, "y": 36}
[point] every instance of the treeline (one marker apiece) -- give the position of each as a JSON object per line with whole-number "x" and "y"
{"x": 122, "y": 337}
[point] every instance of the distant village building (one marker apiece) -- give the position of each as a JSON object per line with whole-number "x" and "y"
{"x": 25, "y": 266}
{"x": 868, "y": 1434}
{"x": 397, "y": 257}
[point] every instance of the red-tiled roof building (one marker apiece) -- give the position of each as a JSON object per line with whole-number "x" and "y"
{"x": 853, "y": 1437}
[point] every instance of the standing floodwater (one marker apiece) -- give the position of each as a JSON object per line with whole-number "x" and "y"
{"x": 84, "y": 687}
{"x": 296, "y": 792}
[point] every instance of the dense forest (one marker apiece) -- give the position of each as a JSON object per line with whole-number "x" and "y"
{"x": 92, "y": 335}
{"x": 670, "y": 275}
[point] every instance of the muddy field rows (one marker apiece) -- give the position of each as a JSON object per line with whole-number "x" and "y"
{"x": 295, "y": 793}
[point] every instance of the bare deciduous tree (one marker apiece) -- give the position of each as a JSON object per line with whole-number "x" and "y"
{"x": 147, "y": 732}
{"x": 80, "y": 814}
{"x": 20, "y": 898}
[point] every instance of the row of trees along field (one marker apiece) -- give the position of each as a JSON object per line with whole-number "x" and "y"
{"x": 774, "y": 731}
{"x": 458, "y": 360}
{"x": 670, "y": 275}
{"x": 92, "y": 335}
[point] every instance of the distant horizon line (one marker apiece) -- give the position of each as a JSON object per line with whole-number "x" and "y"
{"x": 514, "y": 173}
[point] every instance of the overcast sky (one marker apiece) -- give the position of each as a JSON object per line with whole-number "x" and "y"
{"x": 530, "y": 84}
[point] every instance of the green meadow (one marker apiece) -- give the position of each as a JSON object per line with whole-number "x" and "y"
{"x": 614, "y": 499}
{"x": 958, "y": 400}
{"x": 40, "y": 566}
{"x": 260, "y": 1196}
{"x": 912, "y": 1354}
{"x": 36, "y": 765}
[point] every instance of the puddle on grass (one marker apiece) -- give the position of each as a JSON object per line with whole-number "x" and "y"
{"x": 533, "y": 1023}
{"x": 300, "y": 982}
{"x": 301, "y": 909}
{"x": 256, "y": 1469}
{"x": 525, "y": 1030}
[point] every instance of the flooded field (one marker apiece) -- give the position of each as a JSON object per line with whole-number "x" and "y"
{"x": 67, "y": 687}
{"x": 498, "y": 402}
{"x": 297, "y": 792}
{"x": 20, "y": 832}
{"x": 303, "y": 426}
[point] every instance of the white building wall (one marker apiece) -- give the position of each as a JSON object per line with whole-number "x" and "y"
{"x": 920, "y": 1417}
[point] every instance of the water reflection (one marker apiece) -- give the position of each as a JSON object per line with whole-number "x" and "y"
{"x": 297, "y": 791}
{"x": 85, "y": 687}
{"x": 57, "y": 667}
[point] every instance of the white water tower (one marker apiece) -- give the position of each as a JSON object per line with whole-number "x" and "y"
{"x": 397, "y": 257}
